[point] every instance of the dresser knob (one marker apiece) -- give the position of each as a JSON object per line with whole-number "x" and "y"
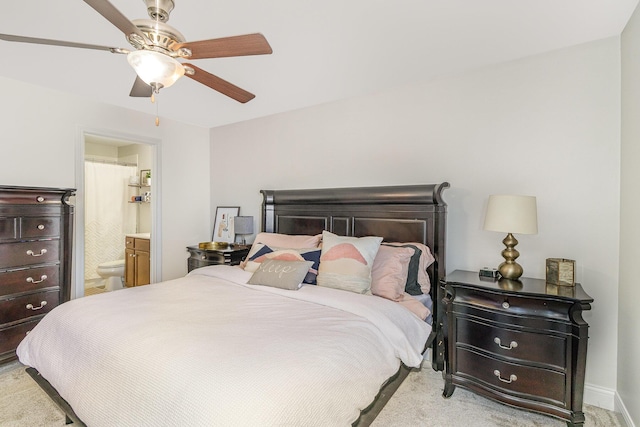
{"x": 513, "y": 344}
{"x": 40, "y": 227}
{"x": 40, "y": 199}
{"x": 31, "y": 307}
{"x": 511, "y": 379}
{"x": 32, "y": 280}
{"x": 31, "y": 253}
{"x": 505, "y": 305}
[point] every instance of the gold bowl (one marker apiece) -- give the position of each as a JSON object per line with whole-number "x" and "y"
{"x": 213, "y": 245}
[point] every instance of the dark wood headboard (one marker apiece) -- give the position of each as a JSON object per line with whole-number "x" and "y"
{"x": 411, "y": 213}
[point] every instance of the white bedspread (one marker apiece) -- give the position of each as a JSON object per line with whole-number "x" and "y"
{"x": 209, "y": 350}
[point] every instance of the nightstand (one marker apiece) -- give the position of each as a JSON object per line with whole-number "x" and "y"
{"x": 204, "y": 257}
{"x": 523, "y": 343}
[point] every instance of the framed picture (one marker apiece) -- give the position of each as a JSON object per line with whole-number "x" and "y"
{"x": 223, "y": 225}
{"x": 145, "y": 176}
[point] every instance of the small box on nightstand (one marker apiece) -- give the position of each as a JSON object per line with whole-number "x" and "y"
{"x": 561, "y": 271}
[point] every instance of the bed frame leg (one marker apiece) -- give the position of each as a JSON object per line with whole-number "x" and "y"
{"x": 67, "y": 420}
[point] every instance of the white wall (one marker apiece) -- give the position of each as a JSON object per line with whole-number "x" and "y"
{"x": 40, "y": 129}
{"x": 629, "y": 315}
{"x": 546, "y": 126}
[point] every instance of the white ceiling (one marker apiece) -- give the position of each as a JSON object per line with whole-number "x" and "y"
{"x": 322, "y": 51}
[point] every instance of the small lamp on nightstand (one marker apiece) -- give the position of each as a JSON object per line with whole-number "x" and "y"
{"x": 243, "y": 225}
{"x": 511, "y": 214}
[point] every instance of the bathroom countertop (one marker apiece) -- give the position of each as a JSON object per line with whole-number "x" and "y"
{"x": 140, "y": 235}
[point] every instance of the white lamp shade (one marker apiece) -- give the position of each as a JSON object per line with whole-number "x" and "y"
{"x": 512, "y": 214}
{"x": 243, "y": 224}
{"x": 155, "y": 67}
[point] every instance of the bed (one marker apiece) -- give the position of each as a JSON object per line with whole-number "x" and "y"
{"x": 242, "y": 345}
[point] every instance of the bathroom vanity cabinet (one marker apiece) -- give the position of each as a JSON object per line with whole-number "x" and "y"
{"x": 36, "y": 228}
{"x": 137, "y": 261}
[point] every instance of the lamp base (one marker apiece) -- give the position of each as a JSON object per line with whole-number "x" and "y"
{"x": 510, "y": 269}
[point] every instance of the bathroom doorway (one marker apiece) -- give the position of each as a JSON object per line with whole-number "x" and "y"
{"x": 114, "y": 200}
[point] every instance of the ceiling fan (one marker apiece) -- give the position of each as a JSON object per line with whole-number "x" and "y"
{"x": 158, "y": 46}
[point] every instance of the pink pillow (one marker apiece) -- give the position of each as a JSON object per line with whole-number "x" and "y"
{"x": 415, "y": 306}
{"x": 389, "y": 272}
{"x": 288, "y": 241}
{"x": 426, "y": 259}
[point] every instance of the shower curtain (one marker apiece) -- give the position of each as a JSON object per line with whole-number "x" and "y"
{"x": 108, "y": 215}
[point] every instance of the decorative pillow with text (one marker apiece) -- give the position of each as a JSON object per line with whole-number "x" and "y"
{"x": 280, "y": 274}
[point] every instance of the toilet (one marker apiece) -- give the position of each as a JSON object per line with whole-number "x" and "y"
{"x": 113, "y": 273}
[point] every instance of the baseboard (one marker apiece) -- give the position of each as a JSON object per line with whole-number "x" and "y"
{"x": 599, "y": 396}
{"x": 620, "y": 407}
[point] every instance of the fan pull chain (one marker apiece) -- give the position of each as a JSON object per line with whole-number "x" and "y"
{"x": 153, "y": 101}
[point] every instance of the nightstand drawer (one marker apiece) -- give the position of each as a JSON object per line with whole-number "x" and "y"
{"x": 512, "y": 378}
{"x": 502, "y": 303}
{"x": 214, "y": 257}
{"x": 205, "y": 257}
{"x": 500, "y": 340}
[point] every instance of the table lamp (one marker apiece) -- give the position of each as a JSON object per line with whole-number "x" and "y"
{"x": 511, "y": 214}
{"x": 243, "y": 225}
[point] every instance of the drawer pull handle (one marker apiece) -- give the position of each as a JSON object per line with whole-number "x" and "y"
{"x": 31, "y": 307}
{"x": 511, "y": 379}
{"x": 40, "y": 226}
{"x": 42, "y": 279}
{"x": 512, "y": 344}
{"x": 505, "y": 305}
{"x": 40, "y": 199}
{"x": 42, "y": 252}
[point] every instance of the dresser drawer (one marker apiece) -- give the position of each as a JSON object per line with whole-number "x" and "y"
{"x": 500, "y": 340}
{"x": 547, "y": 308}
{"x": 40, "y": 227}
{"x": 512, "y": 378}
{"x": 29, "y": 279}
{"x": 11, "y": 337}
{"x": 46, "y": 197}
{"x": 29, "y": 253}
{"x": 26, "y": 306}
{"x": 8, "y": 228}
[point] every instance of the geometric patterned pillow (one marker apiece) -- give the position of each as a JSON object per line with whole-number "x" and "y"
{"x": 264, "y": 253}
{"x": 346, "y": 262}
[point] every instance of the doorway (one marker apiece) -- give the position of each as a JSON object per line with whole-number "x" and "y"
{"x": 113, "y": 200}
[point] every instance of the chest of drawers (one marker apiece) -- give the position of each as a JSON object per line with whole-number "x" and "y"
{"x": 35, "y": 259}
{"x": 522, "y": 342}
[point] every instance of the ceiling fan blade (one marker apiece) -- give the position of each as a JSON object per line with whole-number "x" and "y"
{"x": 34, "y": 40}
{"x": 113, "y": 15}
{"x": 140, "y": 89}
{"x": 220, "y": 85}
{"x": 248, "y": 44}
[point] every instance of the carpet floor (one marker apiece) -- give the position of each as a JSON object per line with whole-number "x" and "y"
{"x": 418, "y": 402}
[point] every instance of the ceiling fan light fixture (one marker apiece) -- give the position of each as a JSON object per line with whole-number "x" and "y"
{"x": 155, "y": 68}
